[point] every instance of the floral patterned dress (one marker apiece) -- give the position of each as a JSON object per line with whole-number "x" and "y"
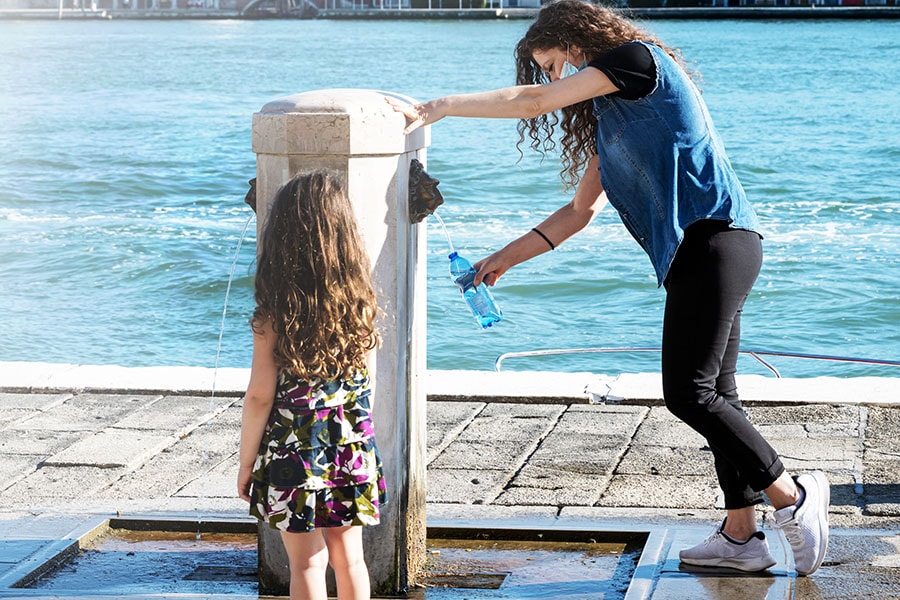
{"x": 318, "y": 465}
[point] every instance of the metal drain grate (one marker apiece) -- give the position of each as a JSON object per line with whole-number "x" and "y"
{"x": 220, "y": 573}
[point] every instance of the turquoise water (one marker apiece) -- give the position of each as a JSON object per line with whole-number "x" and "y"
{"x": 125, "y": 154}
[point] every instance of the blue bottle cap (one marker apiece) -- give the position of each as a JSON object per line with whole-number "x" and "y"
{"x": 453, "y": 255}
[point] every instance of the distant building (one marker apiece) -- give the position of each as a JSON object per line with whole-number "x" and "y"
{"x": 125, "y": 5}
{"x": 299, "y": 8}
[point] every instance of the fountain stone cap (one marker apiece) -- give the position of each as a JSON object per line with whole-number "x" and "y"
{"x": 336, "y": 122}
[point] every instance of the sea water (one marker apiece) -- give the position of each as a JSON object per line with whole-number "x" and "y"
{"x": 125, "y": 155}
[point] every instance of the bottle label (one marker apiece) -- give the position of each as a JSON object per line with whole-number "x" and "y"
{"x": 466, "y": 281}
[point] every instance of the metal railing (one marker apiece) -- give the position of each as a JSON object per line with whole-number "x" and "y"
{"x": 756, "y": 354}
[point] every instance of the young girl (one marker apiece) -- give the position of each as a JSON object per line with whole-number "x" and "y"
{"x": 309, "y": 466}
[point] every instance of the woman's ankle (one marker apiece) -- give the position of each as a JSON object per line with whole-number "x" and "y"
{"x": 783, "y": 492}
{"x": 740, "y": 523}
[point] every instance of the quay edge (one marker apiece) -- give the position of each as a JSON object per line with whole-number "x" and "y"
{"x": 536, "y": 387}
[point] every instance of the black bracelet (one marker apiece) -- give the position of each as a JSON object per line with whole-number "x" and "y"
{"x": 546, "y": 239}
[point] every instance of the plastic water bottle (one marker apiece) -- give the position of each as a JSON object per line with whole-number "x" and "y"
{"x": 478, "y": 298}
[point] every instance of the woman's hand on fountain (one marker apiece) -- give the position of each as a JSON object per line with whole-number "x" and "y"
{"x": 418, "y": 115}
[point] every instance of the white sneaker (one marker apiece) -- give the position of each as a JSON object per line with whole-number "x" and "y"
{"x": 719, "y": 550}
{"x": 806, "y": 526}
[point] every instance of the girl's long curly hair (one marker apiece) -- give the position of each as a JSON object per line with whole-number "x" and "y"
{"x": 313, "y": 280}
{"x": 594, "y": 29}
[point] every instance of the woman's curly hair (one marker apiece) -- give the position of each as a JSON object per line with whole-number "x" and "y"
{"x": 594, "y": 29}
{"x": 313, "y": 280}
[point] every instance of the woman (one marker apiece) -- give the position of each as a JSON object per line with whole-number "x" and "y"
{"x": 636, "y": 128}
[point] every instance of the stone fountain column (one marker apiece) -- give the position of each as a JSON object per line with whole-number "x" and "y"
{"x": 356, "y": 133}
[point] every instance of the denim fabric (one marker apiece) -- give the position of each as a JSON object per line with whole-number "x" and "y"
{"x": 663, "y": 165}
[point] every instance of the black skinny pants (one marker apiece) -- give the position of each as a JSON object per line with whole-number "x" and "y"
{"x": 708, "y": 282}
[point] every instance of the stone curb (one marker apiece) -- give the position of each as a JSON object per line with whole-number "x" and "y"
{"x": 482, "y": 386}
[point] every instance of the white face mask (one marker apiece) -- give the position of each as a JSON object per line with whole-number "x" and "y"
{"x": 568, "y": 68}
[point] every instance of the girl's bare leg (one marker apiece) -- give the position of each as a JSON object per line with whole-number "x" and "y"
{"x": 308, "y": 559}
{"x": 345, "y": 550}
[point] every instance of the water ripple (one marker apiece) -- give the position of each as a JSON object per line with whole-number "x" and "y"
{"x": 122, "y": 181}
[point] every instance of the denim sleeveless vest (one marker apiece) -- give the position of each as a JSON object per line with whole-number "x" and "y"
{"x": 663, "y": 165}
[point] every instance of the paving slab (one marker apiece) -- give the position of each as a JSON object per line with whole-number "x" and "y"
{"x": 562, "y": 456}
{"x": 882, "y": 427}
{"x": 879, "y": 481}
{"x": 858, "y": 564}
{"x": 845, "y": 492}
{"x": 507, "y": 454}
{"x": 498, "y": 439}
{"x": 475, "y": 515}
{"x": 41, "y": 402}
{"x": 810, "y": 416}
{"x": 825, "y": 454}
{"x": 465, "y": 486}
{"x": 160, "y": 477}
{"x": 37, "y": 442}
{"x": 641, "y": 517}
{"x": 172, "y": 413}
{"x": 112, "y": 448}
{"x": 602, "y": 420}
{"x": 446, "y": 420}
{"x": 85, "y": 412}
{"x": 14, "y": 468}
{"x": 529, "y": 488}
{"x": 555, "y": 460}
{"x": 49, "y": 486}
{"x": 504, "y": 410}
{"x": 663, "y": 491}
{"x": 662, "y": 428}
{"x": 888, "y": 555}
{"x": 14, "y": 415}
{"x": 662, "y": 460}
{"x": 218, "y": 482}
{"x": 194, "y": 454}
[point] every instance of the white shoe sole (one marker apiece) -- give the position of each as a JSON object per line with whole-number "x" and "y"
{"x": 751, "y": 566}
{"x": 824, "y": 498}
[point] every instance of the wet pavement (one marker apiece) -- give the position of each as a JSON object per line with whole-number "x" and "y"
{"x": 82, "y": 444}
{"x": 127, "y": 562}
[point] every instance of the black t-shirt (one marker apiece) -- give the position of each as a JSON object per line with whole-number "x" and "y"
{"x": 631, "y": 69}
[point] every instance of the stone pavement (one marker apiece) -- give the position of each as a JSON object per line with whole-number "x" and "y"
{"x": 525, "y": 450}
